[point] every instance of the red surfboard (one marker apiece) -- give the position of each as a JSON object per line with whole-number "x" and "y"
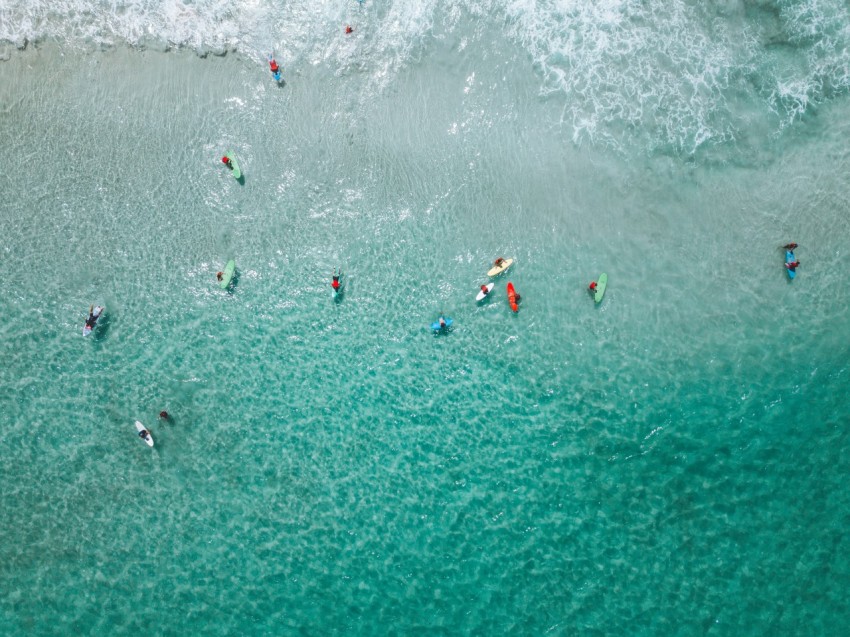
{"x": 512, "y": 297}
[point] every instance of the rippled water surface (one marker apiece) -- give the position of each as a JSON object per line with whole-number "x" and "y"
{"x": 670, "y": 461}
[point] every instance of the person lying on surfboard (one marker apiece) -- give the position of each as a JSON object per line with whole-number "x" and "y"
{"x": 274, "y": 68}
{"x": 91, "y": 321}
{"x": 226, "y": 161}
{"x": 793, "y": 265}
{"x": 484, "y": 290}
{"x": 335, "y": 282}
{"x": 498, "y": 262}
{"x": 143, "y": 433}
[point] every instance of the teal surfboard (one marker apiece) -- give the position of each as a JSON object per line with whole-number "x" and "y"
{"x": 227, "y": 275}
{"x": 601, "y": 283}
{"x": 237, "y": 171}
{"x": 790, "y": 258}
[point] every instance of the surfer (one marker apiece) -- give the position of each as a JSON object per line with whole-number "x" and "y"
{"x": 274, "y": 68}
{"x": 91, "y": 321}
{"x": 335, "y": 282}
{"x": 143, "y": 434}
{"x": 219, "y": 275}
{"x": 484, "y": 290}
{"x": 348, "y": 29}
{"x": 793, "y": 265}
{"x": 226, "y": 161}
{"x": 592, "y": 287}
{"x": 498, "y": 262}
{"x": 790, "y": 246}
{"x": 163, "y": 415}
{"x": 442, "y": 323}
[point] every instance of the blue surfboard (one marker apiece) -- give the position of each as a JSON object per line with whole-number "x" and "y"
{"x": 789, "y": 258}
{"x": 437, "y": 327}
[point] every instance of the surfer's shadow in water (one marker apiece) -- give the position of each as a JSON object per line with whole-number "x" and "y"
{"x": 234, "y": 281}
{"x": 101, "y": 330}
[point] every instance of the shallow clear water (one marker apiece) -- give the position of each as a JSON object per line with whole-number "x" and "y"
{"x": 668, "y": 462}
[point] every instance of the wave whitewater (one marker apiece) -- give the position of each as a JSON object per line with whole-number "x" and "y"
{"x": 665, "y": 75}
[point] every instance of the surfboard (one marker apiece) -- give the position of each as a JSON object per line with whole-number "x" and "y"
{"x": 790, "y": 258}
{"x": 512, "y": 297}
{"x": 496, "y": 270}
{"x": 147, "y": 437}
{"x": 96, "y": 312}
{"x": 601, "y": 283}
{"x": 227, "y": 275}
{"x": 237, "y": 171}
{"x": 438, "y": 328}
{"x": 481, "y": 295}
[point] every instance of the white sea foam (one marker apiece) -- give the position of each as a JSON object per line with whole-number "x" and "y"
{"x": 665, "y": 74}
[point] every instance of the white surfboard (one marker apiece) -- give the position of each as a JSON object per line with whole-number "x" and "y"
{"x": 147, "y": 437}
{"x": 481, "y": 295}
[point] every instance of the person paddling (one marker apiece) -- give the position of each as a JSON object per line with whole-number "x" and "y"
{"x": 274, "y": 68}
{"x": 91, "y": 321}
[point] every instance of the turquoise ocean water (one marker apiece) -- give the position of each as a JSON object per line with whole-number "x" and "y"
{"x": 669, "y": 462}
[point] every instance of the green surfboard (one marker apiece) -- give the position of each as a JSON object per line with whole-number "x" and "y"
{"x": 227, "y": 276}
{"x": 237, "y": 172}
{"x": 600, "y": 287}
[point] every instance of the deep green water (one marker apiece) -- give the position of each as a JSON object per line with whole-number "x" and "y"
{"x": 671, "y": 462}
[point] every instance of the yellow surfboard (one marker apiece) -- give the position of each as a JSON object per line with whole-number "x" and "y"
{"x": 496, "y": 270}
